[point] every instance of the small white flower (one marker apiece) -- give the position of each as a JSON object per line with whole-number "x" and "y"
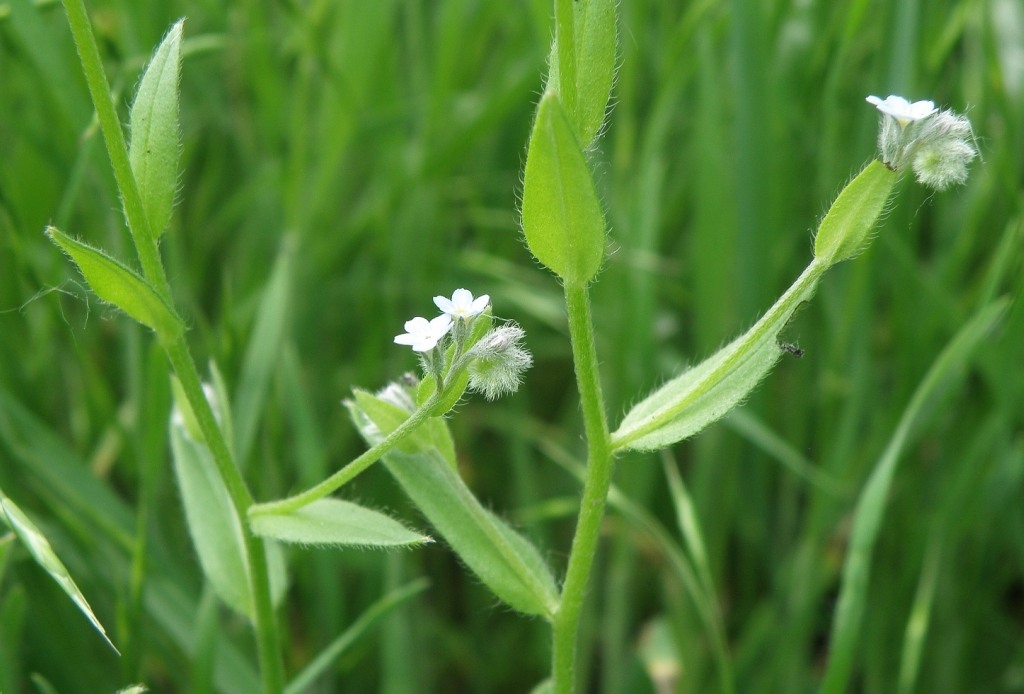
{"x": 902, "y": 110}
{"x": 462, "y": 304}
{"x": 423, "y": 335}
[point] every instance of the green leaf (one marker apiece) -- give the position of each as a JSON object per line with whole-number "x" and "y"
{"x": 562, "y": 217}
{"x": 703, "y": 394}
{"x": 387, "y": 415}
{"x": 153, "y": 150}
{"x": 116, "y": 284}
{"x": 40, "y": 549}
{"x": 336, "y": 522}
{"x": 594, "y": 36}
{"x": 215, "y": 529}
{"x": 846, "y": 229}
{"x": 505, "y": 561}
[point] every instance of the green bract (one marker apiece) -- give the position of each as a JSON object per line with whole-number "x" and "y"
{"x": 846, "y": 229}
{"x": 562, "y": 216}
{"x": 116, "y": 284}
{"x": 153, "y": 150}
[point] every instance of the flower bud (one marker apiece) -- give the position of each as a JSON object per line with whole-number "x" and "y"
{"x": 936, "y": 145}
{"x": 498, "y": 362}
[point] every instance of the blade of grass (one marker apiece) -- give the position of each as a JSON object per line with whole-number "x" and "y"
{"x": 357, "y": 630}
{"x": 871, "y": 505}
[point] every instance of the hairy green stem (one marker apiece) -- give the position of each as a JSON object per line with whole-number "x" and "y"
{"x": 349, "y": 472}
{"x": 113, "y": 135}
{"x": 176, "y": 348}
{"x": 600, "y": 466}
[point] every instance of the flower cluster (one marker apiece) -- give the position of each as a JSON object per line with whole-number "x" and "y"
{"x": 936, "y": 145}
{"x": 494, "y": 357}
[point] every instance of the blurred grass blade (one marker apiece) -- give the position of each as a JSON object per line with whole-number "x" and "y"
{"x": 116, "y": 284}
{"x": 336, "y": 522}
{"x": 920, "y": 617}
{"x": 263, "y": 350}
{"x": 562, "y": 216}
{"x": 701, "y": 395}
{"x": 505, "y": 561}
{"x": 40, "y": 549}
{"x": 153, "y": 126}
{"x": 351, "y": 636}
{"x": 871, "y": 506}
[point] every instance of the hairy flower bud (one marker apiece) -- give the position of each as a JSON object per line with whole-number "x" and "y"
{"x": 936, "y": 145}
{"x": 498, "y": 362}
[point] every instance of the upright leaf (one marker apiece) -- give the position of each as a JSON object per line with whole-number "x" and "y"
{"x": 153, "y": 149}
{"x": 594, "y": 36}
{"x": 40, "y": 549}
{"x": 116, "y": 284}
{"x": 562, "y": 217}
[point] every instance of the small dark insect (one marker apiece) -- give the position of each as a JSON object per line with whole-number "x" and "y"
{"x": 792, "y": 349}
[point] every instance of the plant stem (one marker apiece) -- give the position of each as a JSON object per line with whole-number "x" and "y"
{"x": 600, "y": 466}
{"x": 347, "y": 473}
{"x": 267, "y": 640}
{"x": 117, "y": 150}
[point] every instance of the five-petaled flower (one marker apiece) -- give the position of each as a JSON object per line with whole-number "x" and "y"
{"x": 423, "y": 335}
{"x": 902, "y": 110}
{"x": 462, "y": 304}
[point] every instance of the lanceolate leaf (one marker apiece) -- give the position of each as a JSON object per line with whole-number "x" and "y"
{"x": 562, "y": 216}
{"x": 153, "y": 150}
{"x": 215, "y": 529}
{"x": 116, "y": 284}
{"x": 40, "y": 549}
{"x": 505, "y": 561}
{"x": 704, "y": 393}
{"x": 336, "y": 522}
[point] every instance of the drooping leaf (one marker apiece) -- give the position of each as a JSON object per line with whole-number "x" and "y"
{"x": 154, "y": 146}
{"x": 504, "y": 560}
{"x": 336, "y": 522}
{"x": 40, "y": 549}
{"x": 562, "y": 217}
{"x": 116, "y": 284}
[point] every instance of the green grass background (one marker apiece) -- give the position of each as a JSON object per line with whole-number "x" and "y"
{"x": 343, "y": 162}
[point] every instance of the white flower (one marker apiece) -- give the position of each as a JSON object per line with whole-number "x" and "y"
{"x": 422, "y": 334}
{"x": 902, "y": 110}
{"x": 462, "y": 304}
